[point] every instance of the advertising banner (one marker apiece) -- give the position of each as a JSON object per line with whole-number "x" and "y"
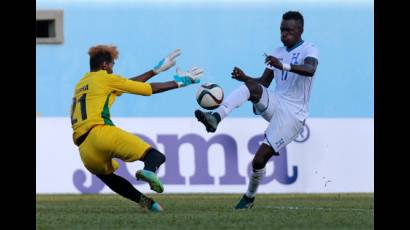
{"x": 329, "y": 156}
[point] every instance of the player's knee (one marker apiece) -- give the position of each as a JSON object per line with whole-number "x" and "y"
{"x": 255, "y": 90}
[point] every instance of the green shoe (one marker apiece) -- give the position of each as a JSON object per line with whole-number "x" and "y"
{"x": 245, "y": 202}
{"x": 151, "y": 178}
{"x": 209, "y": 119}
{"x": 149, "y": 204}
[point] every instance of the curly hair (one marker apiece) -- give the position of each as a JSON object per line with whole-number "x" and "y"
{"x": 102, "y": 53}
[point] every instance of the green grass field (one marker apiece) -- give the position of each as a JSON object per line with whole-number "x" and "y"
{"x": 207, "y": 211}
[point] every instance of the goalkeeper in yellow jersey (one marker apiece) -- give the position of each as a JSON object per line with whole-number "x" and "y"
{"x": 99, "y": 140}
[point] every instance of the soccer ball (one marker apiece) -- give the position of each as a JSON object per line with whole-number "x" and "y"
{"x": 209, "y": 95}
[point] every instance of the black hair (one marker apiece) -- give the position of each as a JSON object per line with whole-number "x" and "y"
{"x": 102, "y": 53}
{"x": 99, "y": 58}
{"x": 295, "y": 15}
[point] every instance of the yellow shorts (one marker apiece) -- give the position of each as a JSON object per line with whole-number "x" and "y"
{"x": 106, "y": 142}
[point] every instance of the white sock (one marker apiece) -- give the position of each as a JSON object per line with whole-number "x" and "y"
{"x": 235, "y": 99}
{"x": 254, "y": 180}
{"x": 263, "y": 103}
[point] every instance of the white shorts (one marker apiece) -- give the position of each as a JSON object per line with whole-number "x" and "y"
{"x": 283, "y": 126}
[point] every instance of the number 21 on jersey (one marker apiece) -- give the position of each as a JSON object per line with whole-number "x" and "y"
{"x": 75, "y": 116}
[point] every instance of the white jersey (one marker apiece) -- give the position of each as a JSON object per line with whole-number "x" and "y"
{"x": 292, "y": 89}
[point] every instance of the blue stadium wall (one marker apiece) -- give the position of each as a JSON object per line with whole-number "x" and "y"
{"x": 215, "y": 35}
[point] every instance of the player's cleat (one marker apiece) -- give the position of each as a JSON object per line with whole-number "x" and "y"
{"x": 151, "y": 178}
{"x": 209, "y": 119}
{"x": 245, "y": 202}
{"x": 149, "y": 204}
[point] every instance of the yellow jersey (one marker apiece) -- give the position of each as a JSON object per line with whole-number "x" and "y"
{"x": 93, "y": 96}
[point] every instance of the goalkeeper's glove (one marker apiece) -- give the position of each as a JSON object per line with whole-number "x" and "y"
{"x": 167, "y": 62}
{"x": 192, "y": 76}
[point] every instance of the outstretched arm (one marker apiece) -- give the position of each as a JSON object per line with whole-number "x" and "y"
{"x": 265, "y": 79}
{"x": 158, "y": 87}
{"x": 144, "y": 77}
{"x": 182, "y": 79}
{"x": 308, "y": 68}
{"x": 162, "y": 66}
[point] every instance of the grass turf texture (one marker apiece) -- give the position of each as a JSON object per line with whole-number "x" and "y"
{"x": 207, "y": 211}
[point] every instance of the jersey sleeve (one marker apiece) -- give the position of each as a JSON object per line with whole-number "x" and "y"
{"x": 312, "y": 51}
{"x": 123, "y": 85}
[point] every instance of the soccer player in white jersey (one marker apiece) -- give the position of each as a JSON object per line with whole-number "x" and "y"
{"x": 286, "y": 108}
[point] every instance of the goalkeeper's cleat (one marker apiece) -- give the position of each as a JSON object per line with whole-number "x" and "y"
{"x": 209, "y": 119}
{"x": 245, "y": 202}
{"x": 151, "y": 178}
{"x": 149, "y": 204}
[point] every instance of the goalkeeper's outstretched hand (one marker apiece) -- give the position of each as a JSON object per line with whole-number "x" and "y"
{"x": 192, "y": 76}
{"x": 167, "y": 62}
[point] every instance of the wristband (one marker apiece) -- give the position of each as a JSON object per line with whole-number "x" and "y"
{"x": 180, "y": 84}
{"x": 286, "y": 66}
